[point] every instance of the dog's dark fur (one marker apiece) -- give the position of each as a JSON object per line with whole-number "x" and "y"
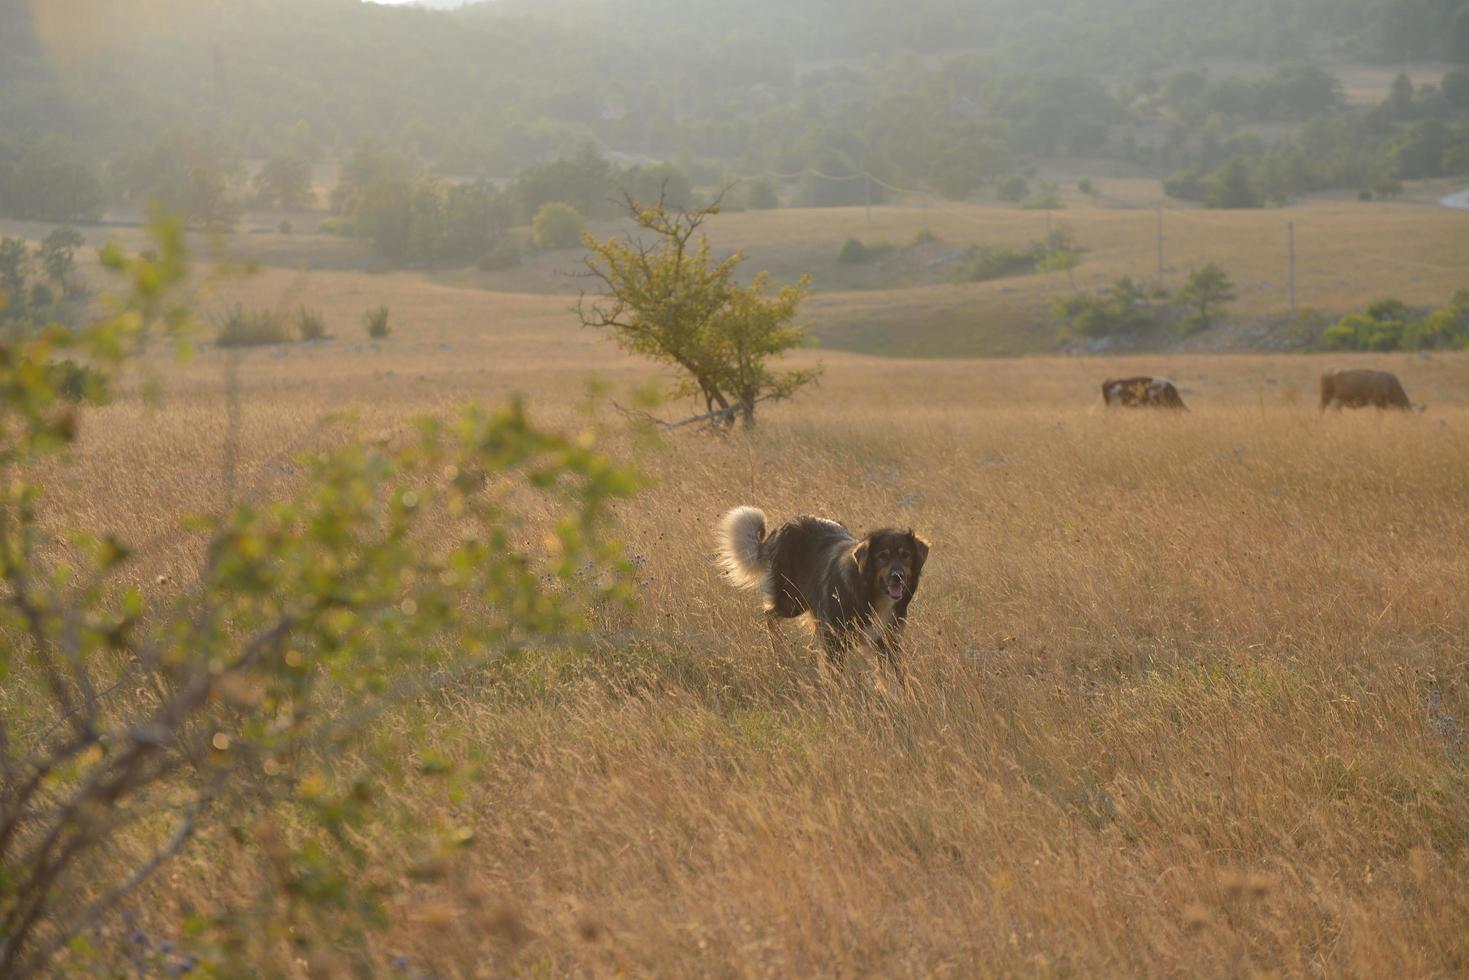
{"x": 853, "y": 589}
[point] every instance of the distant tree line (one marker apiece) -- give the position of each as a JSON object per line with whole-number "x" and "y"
{"x": 1415, "y": 132}
{"x": 943, "y": 95}
{"x": 411, "y": 216}
{"x": 38, "y": 285}
{"x": 44, "y": 177}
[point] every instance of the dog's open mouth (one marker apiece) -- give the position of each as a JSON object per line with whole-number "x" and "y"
{"x": 895, "y": 587}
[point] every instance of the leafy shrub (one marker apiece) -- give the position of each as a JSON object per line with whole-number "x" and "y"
{"x": 758, "y": 195}
{"x": 999, "y": 261}
{"x": 856, "y": 252}
{"x": 503, "y": 254}
{"x": 1123, "y": 307}
{"x": 1186, "y": 185}
{"x": 239, "y": 327}
{"x": 311, "y": 616}
{"x": 1046, "y": 198}
{"x": 925, "y": 237}
{"x": 1087, "y": 187}
{"x": 375, "y": 322}
{"x": 1387, "y": 187}
{"x": 1234, "y": 186}
{"x": 558, "y": 225}
{"x": 1014, "y": 188}
{"x": 310, "y": 325}
{"x": 1388, "y": 324}
{"x": 78, "y": 382}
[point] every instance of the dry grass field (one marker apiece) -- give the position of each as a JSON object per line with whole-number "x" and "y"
{"x": 1188, "y": 693}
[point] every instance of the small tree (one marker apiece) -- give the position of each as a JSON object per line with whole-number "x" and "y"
{"x": 557, "y": 225}
{"x": 1014, "y": 188}
{"x": 58, "y": 257}
{"x": 1233, "y": 186}
{"x": 13, "y": 260}
{"x": 669, "y": 300}
{"x": 1206, "y": 291}
{"x": 1400, "y": 98}
{"x": 285, "y": 182}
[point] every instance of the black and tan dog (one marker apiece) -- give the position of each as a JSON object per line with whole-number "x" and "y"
{"x": 854, "y": 589}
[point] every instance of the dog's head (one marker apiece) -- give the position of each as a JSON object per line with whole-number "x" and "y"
{"x": 890, "y": 560}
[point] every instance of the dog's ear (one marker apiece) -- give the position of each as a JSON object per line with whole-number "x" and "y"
{"x": 920, "y": 549}
{"x": 859, "y": 555}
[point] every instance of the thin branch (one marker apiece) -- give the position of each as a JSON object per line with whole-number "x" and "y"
{"x": 108, "y": 902}
{"x": 718, "y": 415}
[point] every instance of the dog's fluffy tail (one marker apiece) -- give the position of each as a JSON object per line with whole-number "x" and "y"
{"x": 741, "y": 533}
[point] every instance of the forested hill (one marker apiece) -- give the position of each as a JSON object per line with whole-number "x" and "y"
{"x": 496, "y": 84}
{"x": 953, "y": 95}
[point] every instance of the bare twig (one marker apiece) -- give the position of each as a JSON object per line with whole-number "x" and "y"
{"x": 94, "y": 912}
{"x": 718, "y": 415}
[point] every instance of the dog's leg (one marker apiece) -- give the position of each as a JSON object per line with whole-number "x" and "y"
{"x": 834, "y": 643}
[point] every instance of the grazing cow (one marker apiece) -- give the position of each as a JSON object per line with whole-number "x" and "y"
{"x": 1141, "y": 392}
{"x": 1361, "y": 387}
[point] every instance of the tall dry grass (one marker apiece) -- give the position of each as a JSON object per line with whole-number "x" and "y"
{"x": 1188, "y": 693}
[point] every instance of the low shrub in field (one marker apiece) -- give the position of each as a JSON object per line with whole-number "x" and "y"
{"x": 1001, "y": 261}
{"x": 239, "y": 327}
{"x": 758, "y": 195}
{"x": 1123, "y": 307}
{"x": 504, "y": 254}
{"x": 1046, "y": 198}
{"x": 856, "y": 252}
{"x": 375, "y": 322}
{"x": 1014, "y": 188}
{"x": 558, "y": 225}
{"x": 78, "y": 383}
{"x": 310, "y": 324}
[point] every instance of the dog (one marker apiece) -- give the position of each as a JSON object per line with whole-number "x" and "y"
{"x": 854, "y": 589}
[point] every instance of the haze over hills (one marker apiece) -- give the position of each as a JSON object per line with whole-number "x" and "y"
{"x": 879, "y": 83}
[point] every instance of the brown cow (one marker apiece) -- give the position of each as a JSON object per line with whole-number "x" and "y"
{"x": 1141, "y": 392}
{"x": 1361, "y": 387}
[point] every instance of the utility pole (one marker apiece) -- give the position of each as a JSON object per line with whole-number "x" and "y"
{"x": 867, "y": 187}
{"x": 924, "y": 199}
{"x": 1291, "y": 263}
{"x": 1160, "y": 244}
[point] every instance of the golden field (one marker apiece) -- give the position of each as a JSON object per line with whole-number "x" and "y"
{"x": 1348, "y": 253}
{"x": 1189, "y": 695}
